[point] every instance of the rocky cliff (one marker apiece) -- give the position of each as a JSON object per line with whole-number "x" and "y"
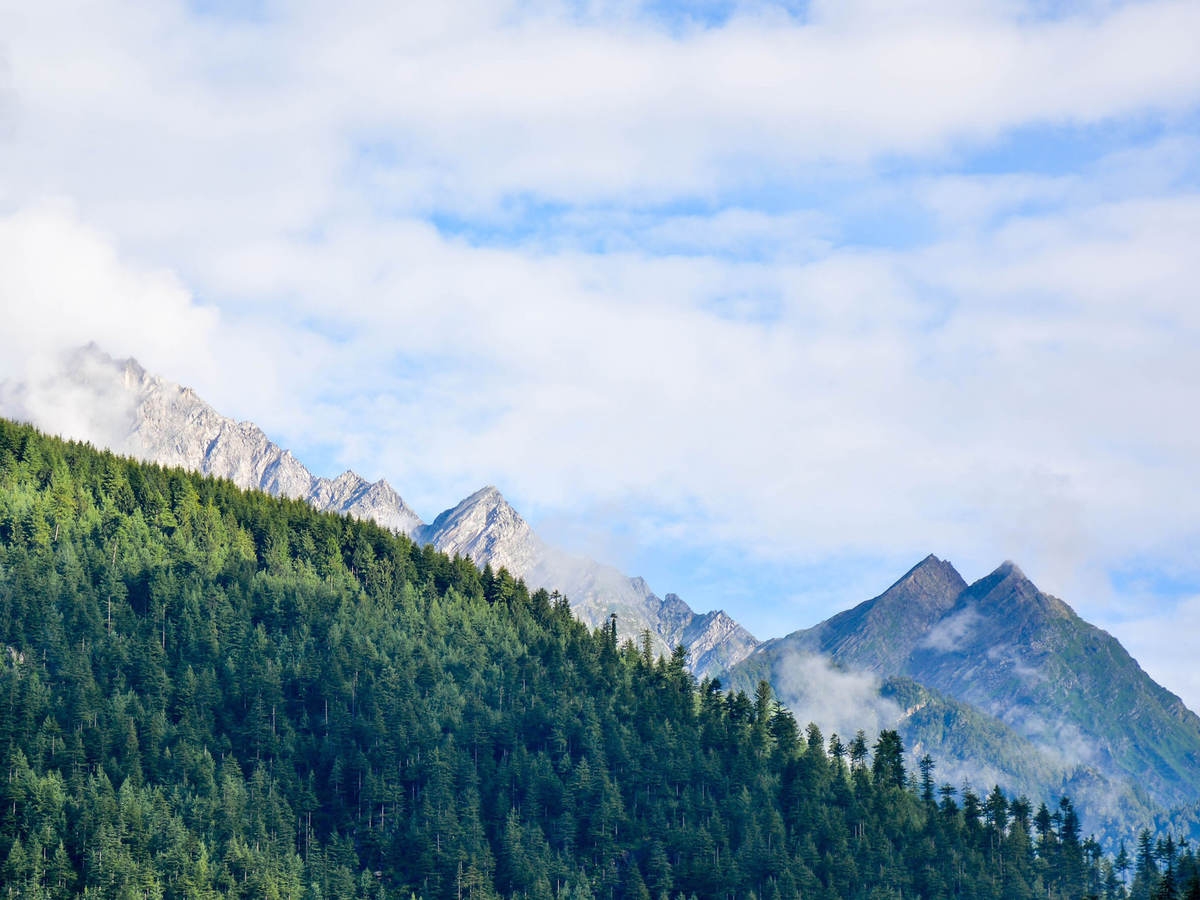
{"x": 118, "y": 404}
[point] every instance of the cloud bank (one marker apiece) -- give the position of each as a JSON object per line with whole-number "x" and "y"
{"x": 833, "y": 290}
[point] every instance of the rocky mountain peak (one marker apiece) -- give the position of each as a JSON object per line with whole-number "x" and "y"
{"x": 1009, "y": 569}
{"x": 716, "y": 642}
{"x": 1014, "y": 667}
{"x": 486, "y": 505}
{"x": 485, "y": 528}
{"x": 916, "y": 600}
{"x": 1007, "y": 573}
{"x": 490, "y": 498}
{"x": 1013, "y": 596}
{"x": 931, "y": 579}
{"x": 118, "y": 404}
{"x": 880, "y": 633}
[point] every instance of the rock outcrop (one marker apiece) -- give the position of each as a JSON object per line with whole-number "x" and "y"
{"x": 118, "y": 404}
{"x": 485, "y": 528}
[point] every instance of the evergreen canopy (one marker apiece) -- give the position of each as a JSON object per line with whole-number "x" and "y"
{"x": 207, "y": 692}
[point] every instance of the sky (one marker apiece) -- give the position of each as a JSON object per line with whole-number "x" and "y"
{"x": 762, "y": 301}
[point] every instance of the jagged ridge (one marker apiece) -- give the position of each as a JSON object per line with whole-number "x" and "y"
{"x": 485, "y": 528}
{"x": 1025, "y": 661}
{"x": 118, "y": 404}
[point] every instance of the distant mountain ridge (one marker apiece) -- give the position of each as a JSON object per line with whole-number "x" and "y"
{"x": 485, "y": 528}
{"x": 152, "y": 418}
{"x": 117, "y": 403}
{"x": 877, "y": 635}
{"x": 1082, "y": 713}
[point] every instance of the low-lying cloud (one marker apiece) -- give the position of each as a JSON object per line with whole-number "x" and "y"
{"x": 837, "y": 700}
{"x": 949, "y": 634}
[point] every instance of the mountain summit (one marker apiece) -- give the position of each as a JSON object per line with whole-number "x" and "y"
{"x": 485, "y": 528}
{"x": 119, "y": 405}
{"x": 878, "y": 634}
{"x": 1002, "y": 671}
{"x": 1026, "y": 658}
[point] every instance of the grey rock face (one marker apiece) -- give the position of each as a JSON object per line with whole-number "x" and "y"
{"x": 488, "y": 531}
{"x": 353, "y": 495}
{"x": 716, "y": 642}
{"x": 485, "y": 528}
{"x": 117, "y": 404}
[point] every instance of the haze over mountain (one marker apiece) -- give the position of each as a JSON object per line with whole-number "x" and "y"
{"x": 116, "y": 403}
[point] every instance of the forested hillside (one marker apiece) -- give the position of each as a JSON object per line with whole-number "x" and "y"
{"x": 206, "y": 692}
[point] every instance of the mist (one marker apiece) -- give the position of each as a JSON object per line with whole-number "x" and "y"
{"x": 836, "y": 699}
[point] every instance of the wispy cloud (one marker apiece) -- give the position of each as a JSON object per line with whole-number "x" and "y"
{"x": 837, "y": 700}
{"x": 948, "y": 634}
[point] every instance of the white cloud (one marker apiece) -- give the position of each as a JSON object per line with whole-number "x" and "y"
{"x": 837, "y": 700}
{"x": 63, "y": 284}
{"x": 948, "y": 634}
{"x": 1010, "y": 384}
{"x": 483, "y": 101}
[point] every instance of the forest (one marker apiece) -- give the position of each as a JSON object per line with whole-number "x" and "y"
{"x": 213, "y": 693}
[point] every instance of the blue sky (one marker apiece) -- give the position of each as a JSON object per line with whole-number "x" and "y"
{"x": 762, "y": 301}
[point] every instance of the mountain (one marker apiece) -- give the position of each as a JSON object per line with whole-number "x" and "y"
{"x": 117, "y": 404}
{"x": 214, "y": 693}
{"x": 879, "y": 635}
{"x": 1008, "y": 683}
{"x": 1002, "y": 682}
{"x": 1026, "y": 658}
{"x": 487, "y": 530}
{"x": 715, "y": 641}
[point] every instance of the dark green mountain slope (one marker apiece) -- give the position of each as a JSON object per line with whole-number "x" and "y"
{"x": 876, "y": 636}
{"x": 880, "y": 634}
{"x": 1027, "y": 659}
{"x": 211, "y": 693}
{"x": 971, "y": 745}
{"x": 1021, "y": 690}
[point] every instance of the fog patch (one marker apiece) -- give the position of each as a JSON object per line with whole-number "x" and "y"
{"x": 74, "y": 394}
{"x": 837, "y": 700}
{"x": 1011, "y": 655}
{"x": 1065, "y": 743}
{"x": 63, "y": 285}
{"x": 950, "y": 634}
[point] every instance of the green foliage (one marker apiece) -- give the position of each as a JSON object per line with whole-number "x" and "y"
{"x": 206, "y": 693}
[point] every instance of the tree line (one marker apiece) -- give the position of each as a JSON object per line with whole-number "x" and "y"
{"x": 207, "y": 692}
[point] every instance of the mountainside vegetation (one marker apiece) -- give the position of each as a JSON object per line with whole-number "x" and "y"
{"x": 207, "y": 692}
{"x": 1010, "y": 685}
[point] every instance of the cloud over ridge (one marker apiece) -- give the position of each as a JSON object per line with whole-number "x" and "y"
{"x": 827, "y": 288}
